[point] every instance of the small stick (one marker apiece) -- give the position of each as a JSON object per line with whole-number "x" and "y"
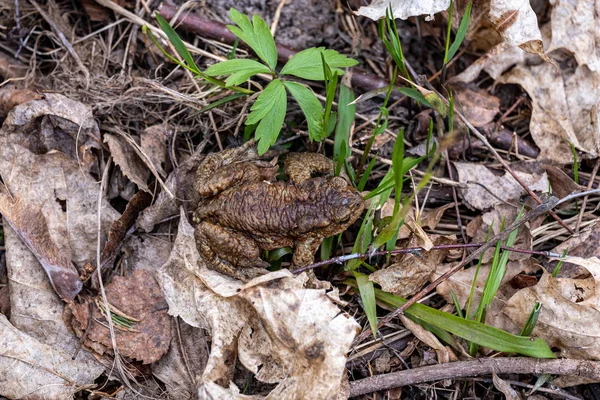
{"x": 584, "y": 203}
{"x": 412, "y": 250}
{"x": 481, "y": 366}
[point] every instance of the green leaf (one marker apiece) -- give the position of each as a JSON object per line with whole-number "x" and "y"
{"x": 311, "y": 107}
{"x": 269, "y": 112}
{"x": 346, "y": 114}
{"x": 414, "y": 94}
{"x": 460, "y": 33}
{"x": 256, "y": 35}
{"x": 177, "y": 43}
{"x": 239, "y": 70}
{"x": 307, "y": 64}
{"x": 483, "y": 335}
{"x": 367, "y": 295}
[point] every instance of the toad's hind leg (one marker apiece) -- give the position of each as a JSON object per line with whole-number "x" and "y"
{"x": 229, "y": 252}
{"x": 299, "y": 167}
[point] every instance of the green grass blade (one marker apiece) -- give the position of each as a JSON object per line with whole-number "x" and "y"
{"x": 483, "y": 335}
{"x": 365, "y": 176}
{"x": 177, "y": 43}
{"x": 367, "y": 295}
{"x": 559, "y": 265}
{"x": 460, "y": 33}
{"x": 346, "y": 115}
{"x": 532, "y": 320}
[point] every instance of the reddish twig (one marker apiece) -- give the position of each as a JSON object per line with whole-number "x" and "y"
{"x": 214, "y": 30}
{"x": 488, "y": 366}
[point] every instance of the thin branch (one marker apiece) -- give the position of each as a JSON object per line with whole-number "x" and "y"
{"x": 414, "y": 250}
{"x": 482, "y": 366}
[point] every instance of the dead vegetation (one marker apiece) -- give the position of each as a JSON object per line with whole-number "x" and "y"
{"x": 103, "y": 292}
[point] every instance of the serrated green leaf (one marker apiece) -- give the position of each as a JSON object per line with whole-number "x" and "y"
{"x": 307, "y": 64}
{"x": 311, "y": 107}
{"x": 257, "y": 35}
{"x": 367, "y": 295}
{"x": 239, "y": 70}
{"x": 269, "y": 112}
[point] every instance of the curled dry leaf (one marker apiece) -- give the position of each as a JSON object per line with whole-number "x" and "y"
{"x": 53, "y": 185}
{"x": 514, "y": 20}
{"x": 181, "y": 368}
{"x": 562, "y": 185}
{"x": 565, "y": 109}
{"x": 128, "y": 160}
{"x": 140, "y": 299}
{"x": 409, "y": 272}
{"x": 181, "y": 183}
{"x": 30, "y": 224}
{"x": 479, "y": 106}
{"x": 500, "y": 215}
{"x": 30, "y": 369}
{"x": 503, "y": 188}
{"x": 566, "y": 321}
{"x": 280, "y": 331}
{"x": 11, "y": 96}
{"x": 153, "y": 142}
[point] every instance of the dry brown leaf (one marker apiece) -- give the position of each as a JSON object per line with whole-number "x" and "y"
{"x": 410, "y": 272}
{"x": 153, "y": 142}
{"x": 30, "y": 224}
{"x": 505, "y": 388}
{"x": 181, "y": 183}
{"x": 565, "y": 109}
{"x": 585, "y": 245}
{"x": 504, "y": 188}
{"x": 280, "y": 331}
{"x": 575, "y": 28}
{"x": 180, "y": 373}
{"x": 11, "y": 96}
{"x": 561, "y": 183}
{"x": 571, "y": 326}
{"x": 30, "y": 369}
{"x": 128, "y": 160}
{"x": 137, "y": 296}
{"x": 55, "y": 183}
{"x": 5, "y": 301}
{"x": 403, "y": 9}
{"x": 479, "y": 106}
{"x": 500, "y": 215}
{"x": 444, "y": 354}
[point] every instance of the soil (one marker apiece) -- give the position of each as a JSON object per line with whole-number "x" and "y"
{"x": 302, "y": 24}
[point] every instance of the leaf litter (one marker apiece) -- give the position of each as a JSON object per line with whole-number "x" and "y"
{"x": 198, "y": 329}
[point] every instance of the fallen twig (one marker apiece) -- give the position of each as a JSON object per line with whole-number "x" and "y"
{"x": 412, "y": 250}
{"x": 482, "y": 366}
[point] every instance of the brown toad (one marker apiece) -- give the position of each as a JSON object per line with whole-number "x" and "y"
{"x": 245, "y": 210}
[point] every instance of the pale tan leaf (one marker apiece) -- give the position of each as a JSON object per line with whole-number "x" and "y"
{"x": 505, "y": 388}
{"x": 565, "y": 109}
{"x": 282, "y": 332}
{"x": 409, "y": 272}
{"x": 30, "y": 369}
{"x": 153, "y": 143}
{"x": 504, "y": 187}
{"x": 573, "y": 328}
{"x": 128, "y": 160}
{"x": 403, "y": 9}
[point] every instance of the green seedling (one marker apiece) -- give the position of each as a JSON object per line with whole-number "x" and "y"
{"x": 268, "y": 112}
